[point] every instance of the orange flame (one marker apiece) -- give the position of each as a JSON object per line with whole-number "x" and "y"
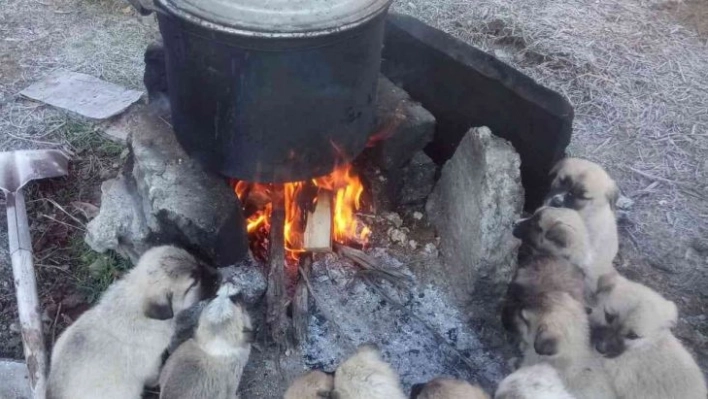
{"x": 347, "y": 190}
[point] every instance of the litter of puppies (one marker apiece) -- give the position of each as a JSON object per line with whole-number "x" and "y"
{"x": 583, "y": 330}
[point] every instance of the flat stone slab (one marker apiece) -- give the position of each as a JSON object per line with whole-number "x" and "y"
{"x": 14, "y": 381}
{"x": 464, "y": 87}
{"x": 83, "y": 94}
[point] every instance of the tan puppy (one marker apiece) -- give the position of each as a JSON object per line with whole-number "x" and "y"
{"x": 536, "y": 275}
{"x": 555, "y": 331}
{"x": 643, "y": 357}
{"x": 447, "y": 388}
{"x": 313, "y": 385}
{"x": 540, "y": 381}
{"x": 210, "y": 364}
{"x": 561, "y": 232}
{"x": 114, "y": 349}
{"x": 587, "y": 188}
{"x": 366, "y": 376}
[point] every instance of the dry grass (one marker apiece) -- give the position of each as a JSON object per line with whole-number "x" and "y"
{"x": 636, "y": 78}
{"x": 101, "y": 38}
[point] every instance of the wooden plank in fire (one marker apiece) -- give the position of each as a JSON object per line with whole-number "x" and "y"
{"x": 276, "y": 295}
{"x": 318, "y": 231}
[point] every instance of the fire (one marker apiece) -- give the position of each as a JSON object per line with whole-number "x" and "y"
{"x": 300, "y": 198}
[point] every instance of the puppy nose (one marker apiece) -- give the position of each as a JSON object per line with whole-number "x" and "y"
{"x": 557, "y": 200}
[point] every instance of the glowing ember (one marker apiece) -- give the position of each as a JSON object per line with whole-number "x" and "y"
{"x": 300, "y": 198}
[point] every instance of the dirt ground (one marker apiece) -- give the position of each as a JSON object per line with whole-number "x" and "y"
{"x": 635, "y": 71}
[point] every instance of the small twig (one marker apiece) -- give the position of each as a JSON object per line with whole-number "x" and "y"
{"x": 51, "y": 201}
{"x": 31, "y": 140}
{"x": 64, "y": 223}
{"x": 653, "y": 177}
{"x": 367, "y": 262}
{"x": 54, "y": 323}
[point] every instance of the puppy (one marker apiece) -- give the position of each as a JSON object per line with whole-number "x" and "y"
{"x": 562, "y": 233}
{"x": 536, "y": 275}
{"x": 114, "y": 349}
{"x": 366, "y": 376}
{"x": 540, "y": 381}
{"x": 587, "y": 188}
{"x": 313, "y": 385}
{"x": 447, "y": 388}
{"x": 642, "y": 356}
{"x": 210, "y": 364}
{"x": 555, "y": 331}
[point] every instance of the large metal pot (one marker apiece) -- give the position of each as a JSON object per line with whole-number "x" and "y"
{"x": 272, "y": 91}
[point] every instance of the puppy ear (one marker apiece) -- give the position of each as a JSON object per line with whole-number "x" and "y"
{"x": 249, "y": 335}
{"x": 325, "y": 394}
{"x": 237, "y": 299}
{"x": 606, "y": 282}
{"x": 613, "y": 196}
{"x": 557, "y": 235}
{"x": 556, "y": 168}
{"x": 416, "y": 389}
{"x": 545, "y": 344}
{"x": 159, "y": 307}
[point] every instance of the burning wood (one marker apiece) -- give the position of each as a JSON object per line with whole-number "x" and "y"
{"x": 276, "y": 295}
{"x": 301, "y": 301}
{"x": 318, "y": 231}
{"x": 317, "y": 212}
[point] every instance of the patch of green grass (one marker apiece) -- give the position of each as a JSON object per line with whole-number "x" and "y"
{"x": 93, "y": 271}
{"x": 85, "y": 138}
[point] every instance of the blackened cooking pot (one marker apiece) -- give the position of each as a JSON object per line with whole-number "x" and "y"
{"x": 272, "y": 91}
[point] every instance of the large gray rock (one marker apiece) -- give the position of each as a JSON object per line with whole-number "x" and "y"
{"x": 473, "y": 207}
{"x": 418, "y": 180}
{"x": 404, "y": 127}
{"x": 164, "y": 196}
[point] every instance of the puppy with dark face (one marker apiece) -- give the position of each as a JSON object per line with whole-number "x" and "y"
{"x": 114, "y": 349}
{"x": 540, "y": 381}
{"x": 447, "y": 388}
{"x": 210, "y": 364}
{"x": 313, "y": 385}
{"x": 587, "y": 188}
{"x": 562, "y": 233}
{"x": 366, "y": 376}
{"x": 555, "y": 331}
{"x": 632, "y": 329}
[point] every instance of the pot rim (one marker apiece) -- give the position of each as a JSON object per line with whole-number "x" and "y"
{"x": 165, "y": 7}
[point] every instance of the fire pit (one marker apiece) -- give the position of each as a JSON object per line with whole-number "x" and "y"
{"x": 406, "y": 244}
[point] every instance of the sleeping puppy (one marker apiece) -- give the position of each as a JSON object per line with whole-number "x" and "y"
{"x": 536, "y": 275}
{"x": 114, "y": 349}
{"x": 366, "y": 376}
{"x": 585, "y": 187}
{"x": 447, "y": 388}
{"x": 561, "y": 232}
{"x": 555, "y": 331}
{"x": 210, "y": 364}
{"x": 642, "y": 356}
{"x": 540, "y": 381}
{"x": 313, "y": 385}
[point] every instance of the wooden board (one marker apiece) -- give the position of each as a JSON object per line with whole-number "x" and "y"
{"x": 318, "y": 231}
